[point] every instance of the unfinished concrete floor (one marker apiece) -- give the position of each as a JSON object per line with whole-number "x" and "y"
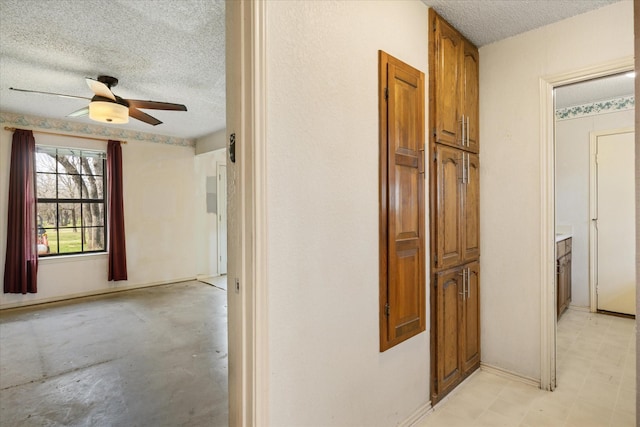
{"x": 148, "y": 357}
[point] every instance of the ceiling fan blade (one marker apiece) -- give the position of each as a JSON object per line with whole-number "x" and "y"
{"x": 50, "y": 93}
{"x": 79, "y": 113}
{"x": 154, "y": 105}
{"x": 143, "y": 117}
{"x": 100, "y": 88}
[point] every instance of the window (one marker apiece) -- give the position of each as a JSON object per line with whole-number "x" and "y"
{"x": 70, "y": 191}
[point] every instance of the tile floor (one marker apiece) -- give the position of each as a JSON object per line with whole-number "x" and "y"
{"x": 596, "y": 383}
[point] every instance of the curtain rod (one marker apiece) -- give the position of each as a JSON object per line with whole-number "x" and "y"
{"x": 10, "y": 129}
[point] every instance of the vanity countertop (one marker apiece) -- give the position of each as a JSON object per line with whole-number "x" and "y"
{"x": 562, "y": 236}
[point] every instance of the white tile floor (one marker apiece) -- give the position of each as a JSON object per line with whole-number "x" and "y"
{"x": 596, "y": 383}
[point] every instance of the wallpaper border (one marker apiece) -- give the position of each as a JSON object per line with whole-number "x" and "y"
{"x": 91, "y": 130}
{"x": 594, "y": 108}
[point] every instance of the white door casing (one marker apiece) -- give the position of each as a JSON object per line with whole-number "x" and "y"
{"x": 222, "y": 218}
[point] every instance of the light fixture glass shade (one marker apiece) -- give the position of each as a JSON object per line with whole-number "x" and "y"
{"x": 108, "y": 112}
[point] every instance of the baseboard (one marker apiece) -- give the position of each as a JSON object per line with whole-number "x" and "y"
{"x": 418, "y": 415}
{"x": 63, "y": 298}
{"x": 510, "y": 375}
{"x": 579, "y": 308}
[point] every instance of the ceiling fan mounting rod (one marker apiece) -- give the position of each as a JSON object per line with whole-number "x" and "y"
{"x": 108, "y": 80}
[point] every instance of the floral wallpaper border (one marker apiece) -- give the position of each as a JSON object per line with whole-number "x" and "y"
{"x": 593, "y": 108}
{"x": 64, "y": 126}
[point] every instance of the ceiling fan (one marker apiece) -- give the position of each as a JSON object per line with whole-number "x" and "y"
{"x": 107, "y": 107}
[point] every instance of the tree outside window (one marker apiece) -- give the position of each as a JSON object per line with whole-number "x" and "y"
{"x": 70, "y": 188}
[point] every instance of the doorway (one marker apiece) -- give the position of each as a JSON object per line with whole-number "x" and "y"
{"x": 549, "y": 162}
{"x": 612, "y": 243}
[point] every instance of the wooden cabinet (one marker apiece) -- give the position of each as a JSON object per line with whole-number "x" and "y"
{"x": 402, "y": 202}
{"x": 458, "y": 325}
{"x": 456, "y": 184}
{"x": 454, "y": 206}
{"x": 563, "y": 274}
{"x": 454, "y": 102}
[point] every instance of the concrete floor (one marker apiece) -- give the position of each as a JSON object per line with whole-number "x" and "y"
{"x": 148, "y": 357}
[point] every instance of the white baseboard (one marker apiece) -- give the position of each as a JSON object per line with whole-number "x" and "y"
{"x": 510, "y": 375}
{"x": 62, "y": 298}
{"x": 418, "y": 415}
{"x": 579, "y": 308}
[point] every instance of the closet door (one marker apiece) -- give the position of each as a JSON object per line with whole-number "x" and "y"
{"x": 449, "y": 303}
{"x": 448, "y": 117}
{"x": 469, "y": 97}
{"x": 471, "y": 208}
{"x": 471, "y": 318}
{"x": 448, "y": 210}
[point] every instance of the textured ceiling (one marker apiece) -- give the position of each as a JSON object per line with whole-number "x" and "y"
{"x": 601, "y": 89}
{"x": 173, "y": 51}
{"x": 160, "y": 50}
{"x": 487, "y": 21}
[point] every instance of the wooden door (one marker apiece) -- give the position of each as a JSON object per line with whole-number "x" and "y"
{"x": 448, "y": 214}
{"x": 448, "y": 117}
{"x": 402, "y": 217}
{"x": 469, "y": 97}
{"x": 471, "y": 318}
{"x": 449, "y": 301}
{"x": 471, "y": 208}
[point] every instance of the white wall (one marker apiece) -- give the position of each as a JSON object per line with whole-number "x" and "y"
{"x": 322, "y": 169}
{"x": 211, "y": 142}
{"x": 207, "y": 222}
{"x": 572, "y": 188}
{"x": 159, "y": 201}
{"x": 510, "y": 72}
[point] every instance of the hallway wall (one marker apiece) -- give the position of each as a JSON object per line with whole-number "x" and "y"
{"x": 323, "y": 203}
{"x": 510, "y": 221}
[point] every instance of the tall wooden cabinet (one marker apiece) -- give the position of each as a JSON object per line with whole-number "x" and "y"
{"x": 455, "y": 206}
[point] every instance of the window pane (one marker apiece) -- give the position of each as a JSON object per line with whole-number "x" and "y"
{"x": 47, "y": 216}
{"x": 51, "y": 239}
{"x": 94, "y": 239}
{"x": 93, "y": 186}
{"x": 93, "y": 214}
{"x": 45, "y": 160}
{"x": 93, "y": 163}
{"x": 69, "y": 215}
{"x": 69, "y": 186}
{"x": 69, "y": 161}
{"x": 46, "y": 185}
{"x": 70, "y": 240}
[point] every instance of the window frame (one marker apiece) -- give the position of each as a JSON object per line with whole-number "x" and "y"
{"x": 82, "y": 201}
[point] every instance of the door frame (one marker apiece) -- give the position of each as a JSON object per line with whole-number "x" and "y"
{"x": 593, "y": 211}
{"x": 245, "y": 55}
{"x": 222, "y": 197}
{"x": 548, "y": 318}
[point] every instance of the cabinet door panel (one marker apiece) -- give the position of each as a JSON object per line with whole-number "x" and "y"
{"x": 471, "y": 209}
{"x": 449, "y": 306}
{"x": 469, "y": 97}
{"x": 471, "y": 316}
{"x": 448, "y": 206}
{"x": 448, "y": 45}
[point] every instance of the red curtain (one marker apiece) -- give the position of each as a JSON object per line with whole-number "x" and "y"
{"x": 116, "y": 246}
{"x": 21, "y": 262}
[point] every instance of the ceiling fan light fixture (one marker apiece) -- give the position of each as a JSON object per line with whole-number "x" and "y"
{"x": 108, "y": 112}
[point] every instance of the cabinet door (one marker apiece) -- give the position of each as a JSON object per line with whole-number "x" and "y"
{"x": 469, "y": 97}
{"x": 448, "y": 184}
{"x": 471, "y": 208}
{"x": 471, "y": 318}
{"x": 448, "y": 117}
{"x": 448, "y": 320}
